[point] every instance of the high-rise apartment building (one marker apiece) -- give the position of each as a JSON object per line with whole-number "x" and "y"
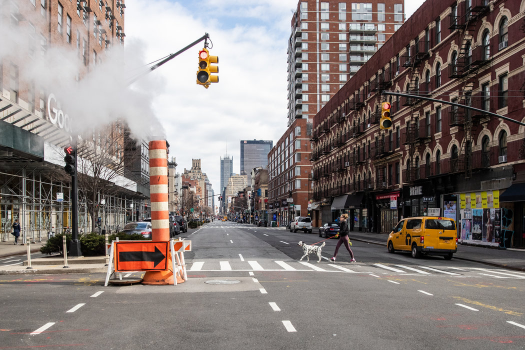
{"x": 329, "y": 41}
{"x": 226, "y": 171}
{"x": 254, "y": 153}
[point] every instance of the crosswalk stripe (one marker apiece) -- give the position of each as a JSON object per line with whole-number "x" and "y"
{"x": 225, "y": 266}
{"x": 413, "y": 269}
{"x": 489, "y": 275}
{"x": 316, "y": 268}
{"x": 341, "y": 268}
{"x": 285, "y": 266}
{"x": 389, "y": 268}
{"x": 255, "y": 266}
{"x": 197, "y": 266}
{"x": 436, "y": 270}
{"x": 515, "y": 275}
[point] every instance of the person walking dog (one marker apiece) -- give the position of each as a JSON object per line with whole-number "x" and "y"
{"x": 343, "y": 237}
{"x": 16, "y": 231}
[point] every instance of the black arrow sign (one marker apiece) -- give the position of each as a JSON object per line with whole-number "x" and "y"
{"x": 155, "y": 256}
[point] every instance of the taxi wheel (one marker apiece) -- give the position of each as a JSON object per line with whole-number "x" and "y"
{"x": 415, "y": 253}
{"x": 391, "y": 248}
{"x": 448, "y": 256}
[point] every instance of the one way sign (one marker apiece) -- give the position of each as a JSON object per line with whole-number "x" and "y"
{"x": 141, "y": 256}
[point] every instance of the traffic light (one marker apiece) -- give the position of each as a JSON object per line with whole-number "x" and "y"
{"x": 385, "y": 122}
{"x": 204, "y": 74}
{"x": 71, "y": 160}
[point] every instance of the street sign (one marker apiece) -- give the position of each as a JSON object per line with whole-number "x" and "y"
{"x": 60, "y": 197}
{"x": 141, "y": 256}
{"x": 191, "y": 210}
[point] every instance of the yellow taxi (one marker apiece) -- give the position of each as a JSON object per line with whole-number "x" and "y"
{"x": 430, "y": 235}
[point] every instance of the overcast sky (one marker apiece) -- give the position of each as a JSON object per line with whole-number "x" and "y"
{"x": 249, "y": 102}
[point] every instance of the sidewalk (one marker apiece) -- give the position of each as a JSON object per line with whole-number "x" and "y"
{"x": 513, "y": 259}
{"x": 9, "y": 249}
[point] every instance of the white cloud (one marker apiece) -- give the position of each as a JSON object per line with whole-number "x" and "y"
{"x": 249, "y": 102}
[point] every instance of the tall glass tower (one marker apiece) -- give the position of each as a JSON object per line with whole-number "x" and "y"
{"x": 226, "y": 171}
{"x": 254, "y": 153}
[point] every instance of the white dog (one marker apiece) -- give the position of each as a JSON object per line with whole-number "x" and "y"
{"x": 309, "y": 249}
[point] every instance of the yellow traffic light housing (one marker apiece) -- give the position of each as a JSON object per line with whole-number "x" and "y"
{"x": 385, "y": 123}
{"x": 204, "y": 76}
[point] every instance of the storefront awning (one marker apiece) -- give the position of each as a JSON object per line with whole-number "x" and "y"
{"x": 339, "y": 202}
{"x": 514, "y": 193}
{"x": 354, "y": 201}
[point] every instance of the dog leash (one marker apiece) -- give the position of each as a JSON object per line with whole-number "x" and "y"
{"x": 323, "y": 240}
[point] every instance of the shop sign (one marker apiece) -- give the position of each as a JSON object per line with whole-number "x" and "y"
{"x": 479, "y": 200}
{"x": 289, "y": 200}
{"x": 393, "y": 202}
{"x": 416, "y": 191}
{"x": 434, "y": 212}
{"x": 57, "y": 116}
{"x": 387, "y": 196}
{"x": 429, "y": 199}
{"x": 365, "y": 212}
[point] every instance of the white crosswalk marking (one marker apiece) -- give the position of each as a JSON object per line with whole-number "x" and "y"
{"x": 515, "y": 275}
{"x": 341, "y": 268}
{"x": 413, "y": 269}
{"x": 440, "y": 271}
{"x": 316, "y": 268}
{"x": 255, "y": 266}
{"x": 285, "y": 266}
{"x": 389, "y": 268}
{"x": 197, "y": 266}
{"x": 225, "y": 266}
{"x": 494, "y": 276}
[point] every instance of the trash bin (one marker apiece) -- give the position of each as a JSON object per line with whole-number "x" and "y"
{"x": 274, "y": 223}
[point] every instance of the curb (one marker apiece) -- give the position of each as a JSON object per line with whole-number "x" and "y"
{"x": 458, "y": 258}
{"x": 53, "y": 271}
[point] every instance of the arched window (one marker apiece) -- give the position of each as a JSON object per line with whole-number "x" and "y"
{"x": 427, "y": 165}
{"x": 485, "y": 152}
{"x": 427, "y": 81}
{"x": 438, "y": 75}
{"x": 503, "y": 33}
{"x": 486, "y": 45}
{"x": 502, "y": 143}
{"x": 454, "y": 158}
{"x": 438, "y": 162}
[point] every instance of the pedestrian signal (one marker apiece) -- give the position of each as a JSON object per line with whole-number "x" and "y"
{"x": 385, "y": 122}
{"x": 207, "y": 66}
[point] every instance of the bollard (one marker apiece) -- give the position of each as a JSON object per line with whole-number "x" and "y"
{"x": 106, "y": 245}
{"x": 119, "y": 274}
{"x": 29, "y": 254}
{"x": 65, "y": 252}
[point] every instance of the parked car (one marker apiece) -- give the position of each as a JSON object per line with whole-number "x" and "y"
{"x": 141, "y": 227}
{"x": 329, "y": 229}
{"x": 262, "y": 223}
{"x": 174, "y": 227}
{"x": 424, "y": 235}
{"x": 183, "y": 225}
{"x": 302, "y": 223}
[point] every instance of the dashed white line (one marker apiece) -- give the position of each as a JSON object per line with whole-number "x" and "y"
{"x": 263, "y": 291}
{"x": 265, "y": 234}
{"x": 515, "y": 275}
{"x": 231, "y": 241}
{"x": 43, "y": 328}
{"x": 18, "y": 263}
{"x": 393, "y": 282}
{"x": 255, "y": 266}
{"x": 274, "y": 306}
{"x": 516, "y": 324}
{"x": 97, "y": 294}
{"x": 289, "y": 327}
{"x": 467, "y": 307}
{"x": 489, "y": 275}
{"x": 240, "y": 256}
{"x": 76, "y": 307}
{"x": 440, "y": 271}
{"x": 284, "y": 242}
{"x": 427, "y": 293}
{"x": 374, "y": 275}
{"x": 255, "y": 280}
{"x": 10, "y": 261}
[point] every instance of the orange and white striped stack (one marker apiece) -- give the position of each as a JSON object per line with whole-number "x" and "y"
{"x": 158, "y": 179}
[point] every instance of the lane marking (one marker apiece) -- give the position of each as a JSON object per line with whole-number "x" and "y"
{"x": 515, "y": 275}
{"x": 225, "y": 266}
{"x": 516, "y": 324}
{"x": 43, "y": 328}
{"x": 251, "y": 273}
{"x": 13, "y": 264}
{"x": 467, "y": 307}
{"x": 76, "y": 307}
{"x": 284, "y": 242}
{"x": 427, "y": 293}
{"x": 413, "y": 269}
{"x": 231, "y": 241}
{"x": 263, "y": 291}
{"x": 265, "y": 234}
{"x": 316, "y": 268}
{"x": 389, "y": 268}
{"x": 240, "y": 256}
{"x": 97, "y": 294}
{"x": 274, "y": 306}
{"x": 341, "y": 268}
{"x": 197, "y": 266}
{"x": 393, "y": 282}
{"x": 440, "y": 271}
{"x": 127, "y": 275}
{"x": 10, "y": 261}
{"x": 489, "y": 275}
{"x": 255, "y": 266}
{"x": 289, "y": 327}
{"x": 374, "y": 275}
{"x": 255, "y": 280}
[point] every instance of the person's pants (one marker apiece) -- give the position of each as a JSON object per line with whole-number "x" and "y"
{"x": 16, "y": 239}
{"x": 343, "y": 239}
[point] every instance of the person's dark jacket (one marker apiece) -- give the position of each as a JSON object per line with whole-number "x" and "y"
{"x": 16, "y": 229}
{"x": 344, "y": 229}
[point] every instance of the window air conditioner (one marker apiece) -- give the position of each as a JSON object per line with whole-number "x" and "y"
{"x": 384, "y": 184}
{"x": 503, "y": 45}
{"x": 347, "y": 163}
{"x": 503, "y": 159}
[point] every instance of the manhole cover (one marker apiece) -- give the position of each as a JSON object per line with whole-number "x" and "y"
{"x": 222, "y": 282}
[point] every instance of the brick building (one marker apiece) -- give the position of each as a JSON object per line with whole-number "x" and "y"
{"x": 260, "y": 193}
{"x": 289, "y": 171}
{"x": 437, "y": 159}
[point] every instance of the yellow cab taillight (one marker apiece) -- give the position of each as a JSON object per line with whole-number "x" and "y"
{"x": 422, "y": 239}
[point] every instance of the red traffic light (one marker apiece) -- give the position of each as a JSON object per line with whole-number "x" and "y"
{"x": 68, "y": 150}
{"x": 203, "y": 54}
{"x": 386, "y": 105}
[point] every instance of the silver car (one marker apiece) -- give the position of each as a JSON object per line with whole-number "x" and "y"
{"x": 142, "y": 228}
{"x": 302, "y": 223}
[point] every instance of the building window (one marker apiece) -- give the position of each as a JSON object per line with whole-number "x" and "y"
{"x": 325, "y": 67}
{"x": 381, "y": 27}
{"x": 398, "y": 137}
{"x": 68, "y": 29}
{"x": 503, "y": 33}
{"x": 304, "y": 76}
{"x": 427, "y": 119}
{"x": 304, "y": 25}
{"x": 13, "y": 83}
{"x": 502, "y": 143}
{"x": 454, "y": 62}
{"x": 304, "y": 56}
{"x": 342, "y": 26}
{"x": 325, "y": 36}
{"x": 397, "y": 173}
{"x": 304, "y": 36}
{"x": 325, "y": 98}
{"x": 438, "y": 162}
{"x": 485, "y": 97}
{"x": 342, "y": 57}
{"x": 297, "y": 184}
{"x": 342, "y": 36}
{"x": 342, "y": 68}
{"x": 468, "y": 50}
{"x": 325, "y": 77}
{"x": 398, "y": 64}
{"x": 60, "y": 14}
{"x": 503, "y": 91}
{"x": 438, "y": 75}
{"x": 438, "y": 119}
{"x": 305, "y": 66}
{"x": 297, "y": 131}
{"x": 43, "y": 8}
{"x": 438, "y": 31}
{"x": 84, "y": 52}
{"x": 298, "y": 170}
{"x": 297, "y": 144}
{"x": 325, "y": 57}
{"x": 381, "y": 12}
{"x": 325, "y": 87}
{"x": 325, "y": 46}
{"x": 398, "y": 12}
{"x": 94, "y": 58}
{"x": 304, "y": 46}
{"x": 342, "y": 47}
{"x": 325, "y": 26}
{"x": 343, "y": 77}
{"x": 486, "y": 45}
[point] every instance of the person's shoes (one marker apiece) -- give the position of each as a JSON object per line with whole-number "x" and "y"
{"x": 332, "y": 259}
{"x": 353, "y": 260}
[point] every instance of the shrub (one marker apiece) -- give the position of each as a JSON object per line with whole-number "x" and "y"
{"x": 55, "y": 244}
{"x": 92, "y": 244}
{"x": 192, "y": 224}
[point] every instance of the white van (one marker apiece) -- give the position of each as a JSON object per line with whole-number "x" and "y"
{"x": 303, "y": 223}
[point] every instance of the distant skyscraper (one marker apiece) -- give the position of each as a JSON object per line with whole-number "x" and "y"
{"x": 254, "y": 153}
{"x": 226, "y": 171}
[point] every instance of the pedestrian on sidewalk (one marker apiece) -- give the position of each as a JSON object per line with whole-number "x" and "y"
{"x": 344, "y": 230}
{"x": 16, "y": 231}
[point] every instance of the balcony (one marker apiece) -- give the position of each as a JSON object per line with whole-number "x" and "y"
{"x": 362, "y": 48}
{"x": 356, "y": 38}
{"x": 298, "y": 91}
{"x": 298, "y": 72}
{"x": 358, "y": 130}
{"x": 376, "y": 117}
{"x": 298, "y": 42}
{"x": 298, "y": 32}
{"x": 299, "y": 102}
{"x": 456, "y": 22}
{"x": 483, "y": 103}
{"x": 368, "y": 28}
{"x": 478, "y": 9}
{"x": 298, "y": 62}
{"x": 456, "y": 116}
{"x": 456, "y": 71}
{"x": 298, "y": 52}
{"x": 360, "y": 60}
{"x": 424, "y": 131}
{"x": 421, "y": 49}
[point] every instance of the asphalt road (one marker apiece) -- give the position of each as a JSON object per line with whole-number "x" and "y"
{"x": 247, "y": 290}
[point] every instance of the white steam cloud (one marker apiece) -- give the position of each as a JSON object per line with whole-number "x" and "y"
{"x": 100, "y": 97}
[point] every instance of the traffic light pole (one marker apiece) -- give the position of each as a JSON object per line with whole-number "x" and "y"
{"x": 74, "y": 247}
